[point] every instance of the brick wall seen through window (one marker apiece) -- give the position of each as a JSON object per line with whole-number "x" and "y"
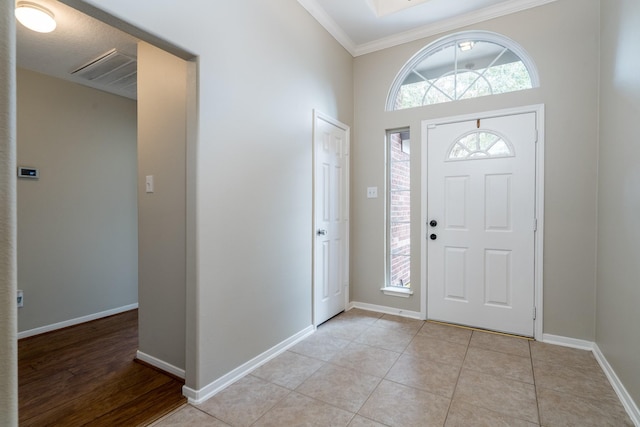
{"x": 399, "y": 209}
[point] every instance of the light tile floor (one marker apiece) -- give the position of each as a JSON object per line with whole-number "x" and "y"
{"x": 367, "y": 369}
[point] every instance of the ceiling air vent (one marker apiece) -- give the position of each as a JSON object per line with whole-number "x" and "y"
{"x": 113, "y": 69}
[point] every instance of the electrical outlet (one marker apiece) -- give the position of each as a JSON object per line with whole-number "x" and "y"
{"x": 372, "y": 192}
{"x": 20, "y": 299}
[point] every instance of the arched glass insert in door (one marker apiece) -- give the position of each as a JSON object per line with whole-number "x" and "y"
{"x": 461, "y": 66}
{"x": 480, "y": 145}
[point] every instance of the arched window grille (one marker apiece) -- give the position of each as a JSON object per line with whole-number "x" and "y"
{"x": 480, "y": 145}
{"x": 464, "y": 65}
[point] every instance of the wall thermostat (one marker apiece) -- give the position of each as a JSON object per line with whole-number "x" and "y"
{"x": 25, "y": 172}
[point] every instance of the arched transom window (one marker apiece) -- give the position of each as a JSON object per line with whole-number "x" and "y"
{"x": 461, "y": 66}
{"x": 480, "y": 145}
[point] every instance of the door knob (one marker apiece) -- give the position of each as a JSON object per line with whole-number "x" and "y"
{"x": 433, "y": 223}
{"x": 433, "y": 237}
{"x": 322, "y": 232}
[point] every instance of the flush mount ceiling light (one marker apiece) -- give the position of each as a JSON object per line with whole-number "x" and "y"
{"x": 35, "y": 17}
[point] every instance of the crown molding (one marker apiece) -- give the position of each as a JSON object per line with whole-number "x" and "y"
{"x": 329, "y": 24}
{"x": 502, "y": 9}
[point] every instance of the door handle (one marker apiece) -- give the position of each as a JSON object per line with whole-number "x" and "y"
{"x": 433, "y": 223}
{"x": 321, "y": 232}
{"x": 433, "y": 237}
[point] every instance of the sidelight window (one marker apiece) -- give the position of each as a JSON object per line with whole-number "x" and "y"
{"x": 399, "y": 209}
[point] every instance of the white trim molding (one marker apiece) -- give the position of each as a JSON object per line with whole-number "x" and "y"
{"x": 386, "y": 310}
{"x": 452, "y": 24}
{"x": 495, "y": 11}
{"x": 397, "y": 291}
{"x": 320, "y": 15}
{"x": 567, "y": 342}
{"x": 160, "y": 364}
{"x": 196, "y": 397}
{"x": 76, "y": 321}
{"x": 625, "y": 398}
{"x": 627, "y": 401}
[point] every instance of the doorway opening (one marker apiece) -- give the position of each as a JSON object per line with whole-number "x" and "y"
{"x": 331, "y": 217}
{"x": 152, "y": 309}
{"x": 482, "y": 220}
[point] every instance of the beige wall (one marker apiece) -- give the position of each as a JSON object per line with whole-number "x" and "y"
{"x": 77, "y": 225}
{"x": 618, "y": 317}
{"x": 8, "y": 228}
{"x": 252, "y": 258}
{"x": 263, "y": 68}
{"x": 564, "y": 45}
{"x": 162, "y": 80}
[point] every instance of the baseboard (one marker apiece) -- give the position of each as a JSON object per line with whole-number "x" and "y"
{"x": 76, "y": 321}
{"x": 625, "y": 398}
{"x": 198, "y": 396}
{"x": 567, "y": 342}
{"x": 160, "y": 364}
{"x": 386, "y": 310}
{"x": 629, "y": 405}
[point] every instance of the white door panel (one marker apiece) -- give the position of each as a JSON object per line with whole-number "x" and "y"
{"x": 481, "y": 192}
{"x": 455, "y": 268}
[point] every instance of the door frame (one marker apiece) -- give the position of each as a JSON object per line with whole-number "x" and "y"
{"x": 538, "y": 109}
{"x": 318, "y": 115}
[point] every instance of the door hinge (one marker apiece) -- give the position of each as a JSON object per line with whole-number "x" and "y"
{"x": 534, "y": 313}
{"x": 535, "y": 224}
{"x": 536, "y": 136}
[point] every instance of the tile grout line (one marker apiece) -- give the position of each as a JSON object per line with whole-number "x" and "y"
{"x": 535, "y": 386}
{"x": 274, "y": 405}
{"x": 383, "y": 378}
{"x": 458, "y": 379}
{"x": 328, "y": 362}
{"x": 390, "y": 368}
{"x": 206, "y": 413}
{"x": 370, "y": 326}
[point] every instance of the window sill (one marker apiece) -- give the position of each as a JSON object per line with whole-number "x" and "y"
{"x": 397, "y": 291}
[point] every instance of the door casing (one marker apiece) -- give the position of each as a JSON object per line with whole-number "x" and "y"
{"x": 538, "y": 109}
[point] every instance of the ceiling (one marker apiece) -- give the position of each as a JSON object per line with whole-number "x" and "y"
{"x": 361, "y": 26}
{"x": 77, "y": 40}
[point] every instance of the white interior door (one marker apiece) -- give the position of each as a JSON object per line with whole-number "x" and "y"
{"x": 331, "y": 217}
{"x": 481, "y": 223}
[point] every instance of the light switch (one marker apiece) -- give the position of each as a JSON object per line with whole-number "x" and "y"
{"x": 149, "y": 184}
{"x": 372, "y": 192}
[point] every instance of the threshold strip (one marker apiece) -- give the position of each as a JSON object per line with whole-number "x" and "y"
{"x": 470, "y": 328}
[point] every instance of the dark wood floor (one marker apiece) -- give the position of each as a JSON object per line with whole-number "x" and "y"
{"x": 87, "y": 375}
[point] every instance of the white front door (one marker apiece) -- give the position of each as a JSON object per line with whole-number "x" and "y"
{"x": 481, "y": 223}
{"x": 331, "y": 216}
